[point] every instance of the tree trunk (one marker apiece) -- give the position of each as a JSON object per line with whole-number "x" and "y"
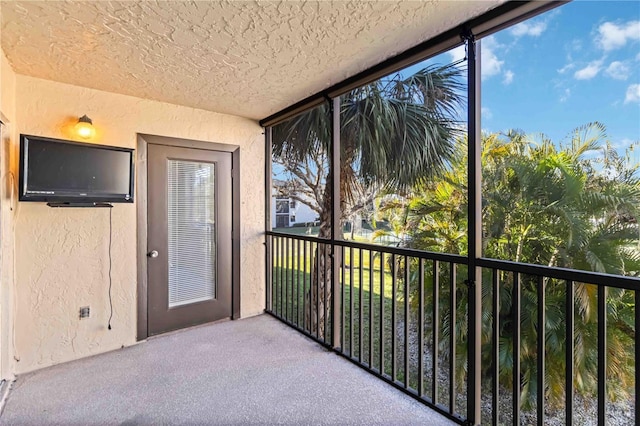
{"x": 318, "y": 296}
{"x": 320, "y": 293}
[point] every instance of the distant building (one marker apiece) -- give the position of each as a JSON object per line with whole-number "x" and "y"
{"x": 286, "y": 211}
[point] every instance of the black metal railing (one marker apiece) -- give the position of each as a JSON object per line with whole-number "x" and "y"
{"x": 404, "y": 315}
{"x": 412, "y": 347}
{"x": 400, "y": 316}
{"x": 298, "y": 290}
{"x": 581, "y": 312}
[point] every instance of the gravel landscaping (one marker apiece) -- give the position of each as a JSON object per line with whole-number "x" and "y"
{"x": 619, "y": 413}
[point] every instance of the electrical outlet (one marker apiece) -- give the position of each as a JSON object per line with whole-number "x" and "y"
{"x": 84, "y": 312}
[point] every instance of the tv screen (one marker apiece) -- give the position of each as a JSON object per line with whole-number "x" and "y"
{"x": 55, "y": 170}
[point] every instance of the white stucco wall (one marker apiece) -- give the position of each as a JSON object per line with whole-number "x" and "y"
{"x": 7, "y": 114}
{"x": 61, "y": 254}
{"x": 304, "y": 214}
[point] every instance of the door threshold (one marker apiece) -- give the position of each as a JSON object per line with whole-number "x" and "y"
{"x": 204, "y": 324}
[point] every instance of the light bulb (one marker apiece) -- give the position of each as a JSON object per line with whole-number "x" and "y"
{"x": 84, "y": 128}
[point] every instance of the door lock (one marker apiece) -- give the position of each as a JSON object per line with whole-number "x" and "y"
{"x": 153, "y": 254}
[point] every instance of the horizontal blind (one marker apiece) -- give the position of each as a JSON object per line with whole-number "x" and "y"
{"x": 191, "y": 232}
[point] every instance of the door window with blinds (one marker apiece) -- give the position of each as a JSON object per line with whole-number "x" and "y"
{"x": 191, "y": 232}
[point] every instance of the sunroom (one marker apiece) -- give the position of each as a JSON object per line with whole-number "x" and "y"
{"x": 444, "y": 194}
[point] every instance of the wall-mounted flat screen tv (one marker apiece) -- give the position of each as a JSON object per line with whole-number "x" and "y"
{"x": 60, "y": 171}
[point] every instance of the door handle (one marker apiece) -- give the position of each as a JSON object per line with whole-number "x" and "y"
{"x": 153, "y": 254}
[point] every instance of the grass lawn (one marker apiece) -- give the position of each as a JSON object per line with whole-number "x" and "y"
{"x": 300, "y": 230}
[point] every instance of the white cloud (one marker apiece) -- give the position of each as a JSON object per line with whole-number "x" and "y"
{"x": 486, "y": 113}
{"x": 457, "y": 54}
{"x": 576, "y": 45}
{"x": 613, "y": 36}
{"x": 624, "y": 143}
{"x": 565, "y": 95}
{"x": 590, "y": 71}
{"x": 533, "y": 29}
{"x": 618, "y": 70}
{"x": 491, "y": 65}
{"x": 566, "y": 68}
{"x": 633, "y": 94}
{"x": 508, "y": 77}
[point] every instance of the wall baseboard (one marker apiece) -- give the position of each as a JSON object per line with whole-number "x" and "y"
{"x": 5, "y": 387}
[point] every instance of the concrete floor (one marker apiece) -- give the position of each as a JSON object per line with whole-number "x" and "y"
{"x": 252, "y": 371}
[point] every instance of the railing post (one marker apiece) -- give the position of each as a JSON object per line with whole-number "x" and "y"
{"x": 474, "y": 211}
{"x": 516, "y": 312}
{"x": 421, "y": 328}
{"x": 542, "y": 320}
{"x": 452, "y": 336}
{"x": 495, "y": 350}
{"x": 435, "y": 321}
{"x": 569, "y": 351}
{"x": 602, "y": 355}
{"x": 637, "y": 353}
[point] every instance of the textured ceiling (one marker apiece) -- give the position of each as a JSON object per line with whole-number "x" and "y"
{"x": 247, "y": 58}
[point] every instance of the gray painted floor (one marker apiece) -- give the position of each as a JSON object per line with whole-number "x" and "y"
{"x": 252, "y": 371}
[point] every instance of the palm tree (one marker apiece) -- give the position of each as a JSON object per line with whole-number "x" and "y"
{"x": 544, "y": 204}
{"x": 550, "y": 204}
{"x": 394, "y": 133}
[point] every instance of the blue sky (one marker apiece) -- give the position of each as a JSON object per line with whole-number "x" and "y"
{"x": 573, "y": 65}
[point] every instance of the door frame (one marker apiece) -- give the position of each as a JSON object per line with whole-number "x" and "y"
{"x": 141, "y": 199}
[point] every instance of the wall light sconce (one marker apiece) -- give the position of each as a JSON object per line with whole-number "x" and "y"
{"x": 84, "y": 127}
